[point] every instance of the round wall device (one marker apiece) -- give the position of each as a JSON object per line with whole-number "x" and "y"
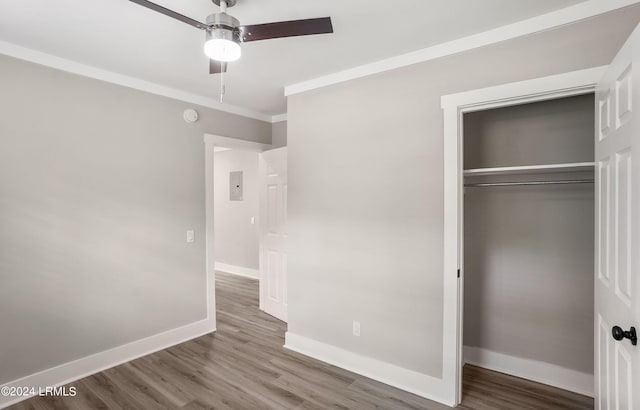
{"x": 190, "y": 115}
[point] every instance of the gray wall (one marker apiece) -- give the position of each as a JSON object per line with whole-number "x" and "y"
{"x": 279, "y": 134}
{"x": 529, "y": 250}
{"x": 98, "y": 185}
{"x": 366, "y": 190}
{"x": 236, "y": 240}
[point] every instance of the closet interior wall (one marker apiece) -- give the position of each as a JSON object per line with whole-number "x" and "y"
{"x": 529, "y": 250}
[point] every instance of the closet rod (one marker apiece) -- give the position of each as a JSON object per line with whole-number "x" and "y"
{"x": 559, "y": 182}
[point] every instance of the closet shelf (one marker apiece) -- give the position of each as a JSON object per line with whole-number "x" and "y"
{"x": 532, "y": 169}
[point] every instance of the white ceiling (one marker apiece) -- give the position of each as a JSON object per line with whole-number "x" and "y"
{"x": 125, "y": 38}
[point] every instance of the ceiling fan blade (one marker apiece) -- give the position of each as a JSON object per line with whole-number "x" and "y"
{"x": 217, "y": 67}
{"x": 291, "y": 28}
{"x": 171, "y": 13}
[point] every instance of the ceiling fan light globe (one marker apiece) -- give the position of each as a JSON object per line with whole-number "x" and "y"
{"x": 222, "y": 50}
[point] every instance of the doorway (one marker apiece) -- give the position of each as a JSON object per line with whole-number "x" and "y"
{"x": 246, "y": 193}
{"x": 527, "y": 256}
{"x": 455, "y": 107}
{"x": 236, "y": 209}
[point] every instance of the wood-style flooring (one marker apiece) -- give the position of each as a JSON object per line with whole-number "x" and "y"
{"x": 244, "y": 366}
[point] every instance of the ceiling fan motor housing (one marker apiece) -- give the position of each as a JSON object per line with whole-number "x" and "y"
{"x": 230, "y": 3}
{"x": 223, "y": 26}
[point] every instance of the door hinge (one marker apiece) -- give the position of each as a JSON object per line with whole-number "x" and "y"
{"x": 458, "y": 272}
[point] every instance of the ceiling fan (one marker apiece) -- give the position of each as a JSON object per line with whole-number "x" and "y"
{"x": 224, "y": 34}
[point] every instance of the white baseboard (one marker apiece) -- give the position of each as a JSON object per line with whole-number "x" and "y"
{"x": 86, "y": 366}
{"x": 417, "y": 383}
{"x": 238, "y": 270}
{"x": 540, "y": 372}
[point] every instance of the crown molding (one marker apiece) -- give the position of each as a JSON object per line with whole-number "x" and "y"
{"x": 533, "y": 25}
{"x": 84, "y": 70}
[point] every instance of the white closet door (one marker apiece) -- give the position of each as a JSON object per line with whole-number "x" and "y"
{"x": 273, "y": 233}
{"x": 617, "y": 290}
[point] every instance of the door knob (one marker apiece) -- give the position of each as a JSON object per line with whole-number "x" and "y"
{"x": 620, "y": 334}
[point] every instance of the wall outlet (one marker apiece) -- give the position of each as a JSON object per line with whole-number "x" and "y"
{"x": 191, "y": 236}
{"x": 356, "y": 328}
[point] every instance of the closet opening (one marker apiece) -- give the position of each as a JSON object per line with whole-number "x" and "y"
{"x": 527, "y": 248}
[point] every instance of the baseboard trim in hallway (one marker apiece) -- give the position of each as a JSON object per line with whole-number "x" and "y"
{"x": 238, "y": 270}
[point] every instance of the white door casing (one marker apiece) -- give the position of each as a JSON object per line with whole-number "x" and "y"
{"x": 617, "y": 293}
{"x": 273, "y": 232}
{"x": 454, "y": 106}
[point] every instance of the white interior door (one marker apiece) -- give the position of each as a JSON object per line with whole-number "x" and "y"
{"x": 273, "y": 233}
{"x": 617, "y": 293}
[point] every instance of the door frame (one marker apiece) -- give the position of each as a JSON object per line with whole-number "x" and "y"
{"x": 454, "y": 106}
{"x": 210, "y": 143}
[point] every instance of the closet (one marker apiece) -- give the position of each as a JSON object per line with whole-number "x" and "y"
{"x": 529, "y": 239}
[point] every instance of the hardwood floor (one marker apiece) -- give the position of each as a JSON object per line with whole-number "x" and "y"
{"x": 244, "y": 366}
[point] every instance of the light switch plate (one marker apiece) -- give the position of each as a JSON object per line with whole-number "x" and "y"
{"x": 356, "y": 328}
{"x": 191, "y": 236}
